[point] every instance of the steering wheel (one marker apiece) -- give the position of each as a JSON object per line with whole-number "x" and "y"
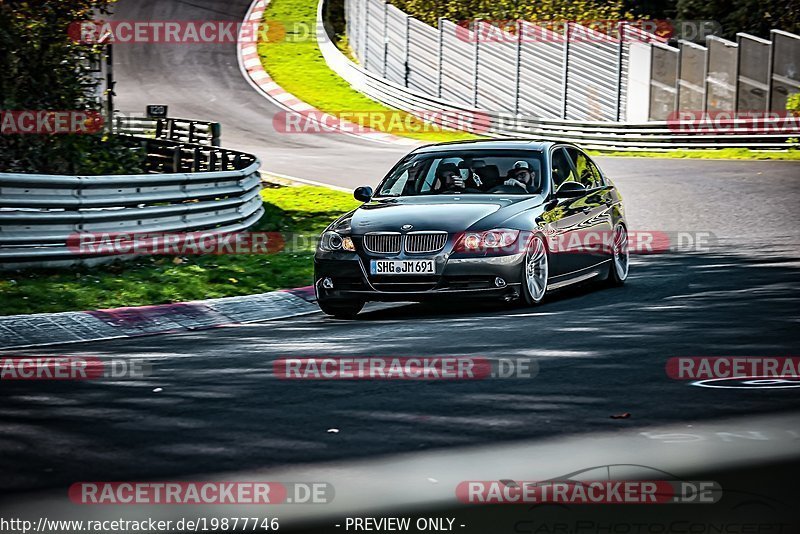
{"x": 502, "y": 188}
{"x": 459, "y": 191}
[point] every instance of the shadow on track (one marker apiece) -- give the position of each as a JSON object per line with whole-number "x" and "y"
{"x": 600, "y": 352}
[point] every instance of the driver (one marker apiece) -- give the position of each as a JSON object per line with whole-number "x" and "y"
{"x": 522, "y": 176}
{"x": 450, "y": 178}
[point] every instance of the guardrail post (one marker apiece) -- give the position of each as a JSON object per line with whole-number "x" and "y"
{"x": 237, "y": 161}
{"x": 565, "y": 71}
{"x": 212, "y": 160}
{"x": 439, "y": 75}
{"x": 159, "y": 128}
{"x": 170, "y": 128}
{"x": 191, "y": 132}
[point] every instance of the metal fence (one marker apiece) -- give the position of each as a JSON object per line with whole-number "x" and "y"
{"x": 190, "y": 187}
{"x": 534, "y": 117}
{"x": 575, "y": 74}
{"x": 171, "y": 128}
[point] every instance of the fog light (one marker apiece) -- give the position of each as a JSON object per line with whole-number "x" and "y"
{"x": 499, "y": 282}
{"x": 327, "y": 283}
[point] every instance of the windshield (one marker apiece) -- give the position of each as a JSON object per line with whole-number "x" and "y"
{"x": 511, "y": 172}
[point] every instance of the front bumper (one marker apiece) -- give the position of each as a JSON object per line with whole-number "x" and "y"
{"x": 455, "y": 277}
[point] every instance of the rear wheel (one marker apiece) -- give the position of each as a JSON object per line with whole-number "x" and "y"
{"x": 341, "y": 309}
{"x": 535, "y": 272}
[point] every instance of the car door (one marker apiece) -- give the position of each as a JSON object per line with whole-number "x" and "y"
{"x": 596, "y": 230}
{"x": 565, "y": 219}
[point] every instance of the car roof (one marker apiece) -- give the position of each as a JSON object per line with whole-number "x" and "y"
{"x": 481, "y": 144}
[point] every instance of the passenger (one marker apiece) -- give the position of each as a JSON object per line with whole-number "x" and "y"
{"x": 449, "y": 178}
{"x": 521, "y": 176}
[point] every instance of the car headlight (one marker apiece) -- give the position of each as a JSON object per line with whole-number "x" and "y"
{"x": 333, "y": 241}
{"x": 490, "y": 240}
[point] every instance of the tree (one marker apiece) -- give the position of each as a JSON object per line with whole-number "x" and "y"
{"x": 756, "y": 17}
{"x": 42, "y": 68}
{"x": 545, "y": 10}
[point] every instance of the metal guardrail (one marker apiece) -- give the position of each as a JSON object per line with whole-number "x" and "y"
{"x": 171, "y": 128}
{"x": 421, "y": 91}
{"x": 189, "y": 187}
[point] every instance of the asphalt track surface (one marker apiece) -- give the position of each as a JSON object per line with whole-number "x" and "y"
{"x": 600, "y": 351}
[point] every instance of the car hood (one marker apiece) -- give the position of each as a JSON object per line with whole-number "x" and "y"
{"x": 442, "y": 213}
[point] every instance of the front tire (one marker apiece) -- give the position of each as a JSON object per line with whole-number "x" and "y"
{"x": 620, "y": 258}
{"x": 535, "y": 272}
{"x": 341, "y": 309}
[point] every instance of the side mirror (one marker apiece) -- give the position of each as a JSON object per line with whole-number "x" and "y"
{"x": 571, "y": 190}
{"x": 363, "y": 193}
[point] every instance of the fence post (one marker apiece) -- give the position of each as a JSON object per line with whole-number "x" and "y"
{"x": 620, "y": 54}
{"x": 770, "y": 69}
{"x": 385, "y": 38}
{"x": 677, "y": 104}
{"x": 565, "y": 70}
{"x": 477, "y": 35}
{"x": 216, "y": 133}
{"x": 109, "y": 87}
{"x": 365, "y": 35}
{"x": 405, "y": 51}
{"x": 176, "y": 158}
{"x": 196, "y": 160}
{"x": 439, "y": 74}
{"x": 191, "y": 132}
{"x": 518, "y": 67}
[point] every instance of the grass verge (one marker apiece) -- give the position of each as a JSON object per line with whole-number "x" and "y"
{"x": 718, "y": 153}
{"x": 161, "y": 279}
{"x": 296, "y": 64}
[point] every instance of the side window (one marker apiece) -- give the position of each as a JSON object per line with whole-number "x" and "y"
{"x": 587, "y": 172}
{"x": 561, "y": 169}
{"x": 600, "y": 181}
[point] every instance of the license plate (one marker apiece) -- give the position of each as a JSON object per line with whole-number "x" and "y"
{"x": 402, "y": 267}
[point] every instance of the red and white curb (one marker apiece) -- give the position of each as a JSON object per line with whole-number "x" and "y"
{"x": 41, "y": 329}
{"x": 253, "y": 71}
